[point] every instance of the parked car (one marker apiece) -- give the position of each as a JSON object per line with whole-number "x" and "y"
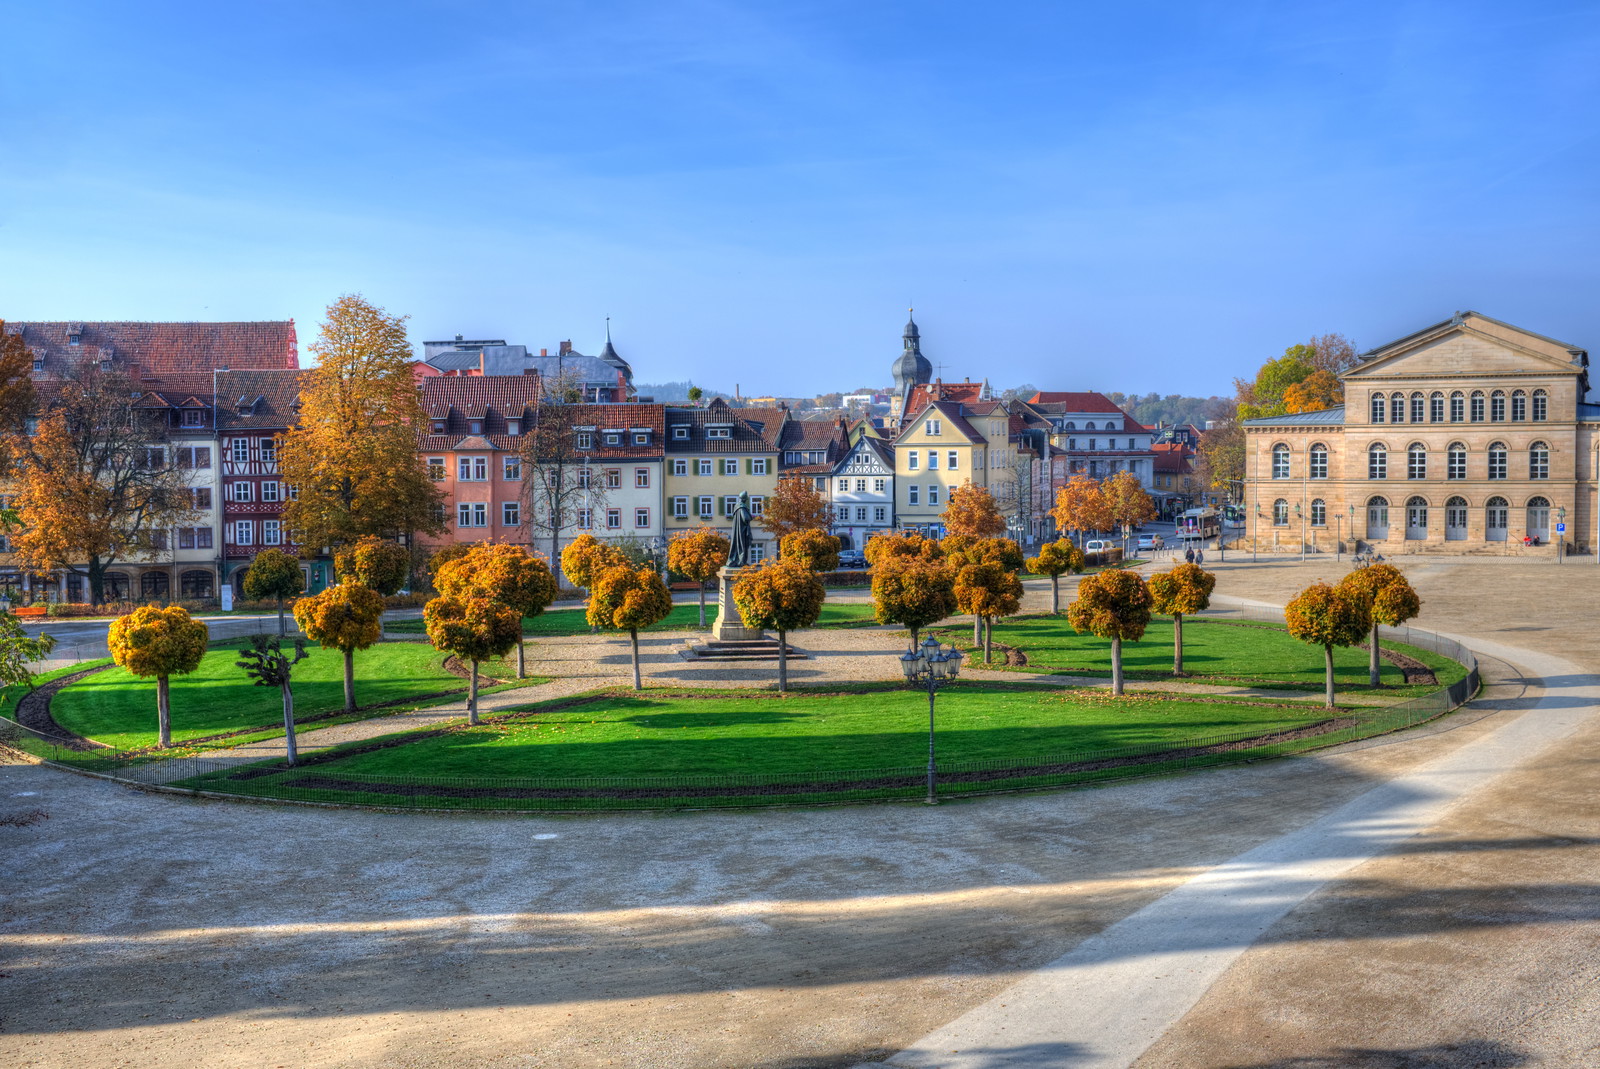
{"x": 850, "y": 559}
{"x": 1099, "y": 545}
{"x": 1151, "y": 541}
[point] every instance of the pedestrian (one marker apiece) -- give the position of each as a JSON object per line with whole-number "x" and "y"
{"x": 1188, "y": 555}
{"x": 1200, "y": 556}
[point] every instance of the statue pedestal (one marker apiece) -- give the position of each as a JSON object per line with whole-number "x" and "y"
{"x": 729, "y": 627}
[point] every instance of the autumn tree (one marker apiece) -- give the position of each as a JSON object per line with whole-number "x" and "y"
{"x": 697, "y": 556}
{"x": 1113, "y": 604}
{"x": 507, "y": 575}
{"x": 276, "y": 575}
{"x": 376, "y": 563}
{"x": 626, "y": 599}
{"x": 907, "y": 544}
{"x": 913, "y": 591}
{"x": 1327, "y": 616}
{"x": 985, "y": 588}
{"x": 346, "y": 617}
{"x": 794, "y": 506}
{"x": 444, "y": 555}
{"x": 784, "y": 595}
{"x": 1183, "y": 591}
{"x": 1389, "y": 600}
{"x": 1056, "y": 559}
{"x": 475, "y": 629}
{"x": 1126, "y": 502}
{"x": 353, "y": 453}
{"x": 1080, "y": 506}
{"x": 95, "y": 485}
{"x": 265, "y": 662}
{"x": 971, "y": 510}
{"x": 152, "y": 641}
{"x": 1317, "y": 391}
{"x": 556, "y": 465}
{"x": 17, "y": 398}
{"x": 812, "y": 547}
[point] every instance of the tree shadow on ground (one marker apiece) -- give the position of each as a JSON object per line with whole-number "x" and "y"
{"x": 1468, "y": 1054}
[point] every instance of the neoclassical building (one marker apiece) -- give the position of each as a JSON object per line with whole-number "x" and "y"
{"x": 1468, "y": 436}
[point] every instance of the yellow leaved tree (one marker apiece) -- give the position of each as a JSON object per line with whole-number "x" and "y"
{"x": 152, "y": 641}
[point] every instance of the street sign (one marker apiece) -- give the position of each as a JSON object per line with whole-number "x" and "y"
{"x": 1561, "y": 528}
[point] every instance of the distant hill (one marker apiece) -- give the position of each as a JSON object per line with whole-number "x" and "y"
{"x": 1152, "y": 408}
{"x": 675, "y": 392}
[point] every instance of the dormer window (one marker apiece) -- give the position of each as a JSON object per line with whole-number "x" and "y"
{"x": 585, "y": 439}
{"x": 75, "y": 338}
{"x": 192, "y": 417}
{"x": 613, "y": 438}
{"x": 513, "y": 427}
{"x": 105, "y": 365}
{"x": 719, "y": 432}
{"x": 641, "y": 437}
{"x": 438, "y": 426}
{"x": 680, "y": 433}
{"x": 476, "y": 426}
{"x": 38, "y": 362}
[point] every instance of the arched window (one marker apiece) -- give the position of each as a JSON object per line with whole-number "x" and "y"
{"x": 1456, "y": 461}
{"x": 154, "y": 584}
{"x": 1539, "y": 518}
{"x": 1496, "y": 518}
{"x": 1477, "y": 406}
{"x": 1541, "y": 406}
{"x": 1418, "y": 408}
{"x": 1497, "y": 407}
{"x": 1455, "y": 519}
{"x": 1436, "y": 408}
{"x": 195, "y": 584}
{"x": 1319, "y": 461}
{"x": 1417, "y": 461}
{"x": 1377, "y": 518}
{"x": 1377, "y": 408}
{"x": 1089, "y": 426}
{"x": 1319, "y": 512}
{"x": 1497, "y": 460}
{"x": 1280, "y": 461}
{"x": 1280, "y": 512}
{"x": 1377, "y": 461}
{"x": 1538, "y": 461}
{"x": 1072, "y": 425}
{"x": 1397, "y": 408}
{"x": 1458, "y": 407}
{"x": 117, "y": 586}
{"x": 1416, "y": 519}
{"x": 1519, "y": 406}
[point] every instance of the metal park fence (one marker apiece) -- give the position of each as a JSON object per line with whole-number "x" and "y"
{"x": 318, "y": 779}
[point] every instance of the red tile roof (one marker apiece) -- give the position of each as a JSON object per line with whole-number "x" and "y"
{"x": 960, "y": 392}
{"x": 163, "y": 349}
{"x": 1078, "y": 402}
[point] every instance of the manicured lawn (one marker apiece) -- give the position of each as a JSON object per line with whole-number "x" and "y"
{"x": 684, "y": 617}
{"x": 1212, "y": 650}
{"x": 120, "y": 709}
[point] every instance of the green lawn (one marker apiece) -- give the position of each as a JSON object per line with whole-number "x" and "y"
{"x": 1212, "y": 651}
{"x": 117, "y": 708}
{"x": 684, "y": 617}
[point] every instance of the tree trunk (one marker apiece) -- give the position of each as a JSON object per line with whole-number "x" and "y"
{"x": 163, "y": 712}
{"x": 1372, "y": 668}
{"x": 1116, "y": 666}
{"x": 281, "y": 631}
{"x": 915, "y": 635}
{"x": 349, "y": 681}
{"x": 783, "y": 661}
{"x": 522, "y": 659}
{"x": 97, "y": 583}
{"x": 977, "y": 630}
{"x": 1177, "y": 643}
{"x": 988, "y": 637}
{"x": 702, "y": 603}
{"x": 1327, "y": 660}
{"x": 1055, "y": 594}
{"x": 288, "y": 725}
{"x": 633, "y": 634}
{"x": 472, "y": 695}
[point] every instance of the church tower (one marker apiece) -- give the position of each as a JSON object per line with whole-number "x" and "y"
{"x": 912, "y": 369}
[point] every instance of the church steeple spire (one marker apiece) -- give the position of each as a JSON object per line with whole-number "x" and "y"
{"x": 912, "y": 369}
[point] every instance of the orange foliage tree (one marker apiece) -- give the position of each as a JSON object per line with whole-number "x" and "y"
{"x": 505, "y": 574}
{"x": 1056, "y": 559}
{"x": 1184, "y": 590}
{"x": 905, "y": 544}
{"x": 585, "y": 558}
{"x": 1389, "y": 600}
{"x": 913, "y": 591}
{"x": 624, "y": 599}
{"x": 152, "y": 641}
{"x": 444, "y": 555}
{"x": 274, "y": 574}
{"x": 987, "y": 587}
{"x": 784, "y": 595}
{"x": 794, "y": 506}
{"x": 1080, "y": 506}
{"x": 814, "y": 548}
{"x": 970, "y": 510}
{"x": 697, "y": 556}
{"x": 1127, "y": 503}
{"x": 1327, "y": 616}
{"x": 345, "y": 617}
{"x": 375, "y": 563}
{"x": 1112, "y": 604}
{"x": 475, "y": 629}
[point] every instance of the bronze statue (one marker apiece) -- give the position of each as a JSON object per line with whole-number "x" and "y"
{"x": 739, "y": 549}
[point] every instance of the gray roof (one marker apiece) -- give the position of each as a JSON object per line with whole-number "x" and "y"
{"x": 1588, "y": 410}
{"x": 1326, "y": 417}
{"x": 455, "y": 360}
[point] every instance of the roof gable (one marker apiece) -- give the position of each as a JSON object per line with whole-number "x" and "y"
{"x": 1469, "y": 344}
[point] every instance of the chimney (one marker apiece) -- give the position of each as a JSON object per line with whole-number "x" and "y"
{"x": 566, "y": 347}
{"x": 458, "y": 339}
{"x": 544, "y": 352}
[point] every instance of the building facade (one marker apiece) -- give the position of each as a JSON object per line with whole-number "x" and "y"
{"x": 862, "y": 496}
{"x": 714, "y": 454}
{"x": 1469, "y": 436}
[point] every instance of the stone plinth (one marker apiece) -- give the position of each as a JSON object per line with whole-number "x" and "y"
{"x": 728, "y": 626}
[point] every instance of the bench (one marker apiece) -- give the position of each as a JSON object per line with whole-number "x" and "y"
{"x": 26, "y": 611}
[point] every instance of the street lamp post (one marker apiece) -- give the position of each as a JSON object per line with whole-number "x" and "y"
{"x": 1561, "y": 534}
{"x": 1302, "y": 516}
{"x": 1352, "y": 529}
{"x": 932, "y": 665}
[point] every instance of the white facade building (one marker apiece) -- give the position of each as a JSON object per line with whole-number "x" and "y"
{"x": 863, "y": 492}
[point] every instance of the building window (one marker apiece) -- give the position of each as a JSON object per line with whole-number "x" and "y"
{"x": 186, "y": 538}
{"x": 861, "y": 486}
{"x": 730, "y": 504}
{"x": 933, "y": 494}
{"x": 1318, "y": 465}
{"x": 472, "y": 514}
{"x": 1497, "y": 407}
{"x": 241, "y": 450}
{"x": 1417, "y": 461}
{"x": 1458, "y": 407}
{"x": 1377, "y": 462}
{"x": 1397, "y": 409}
{"x": 1519, "y": 406}
{"x": 1541, "y": 406}
{"x": 1456, "y": 461}
{"x": 758, "y": 465}
{"x": 1455, "y": 519}
{"x": 1377, "y": 408}
{"x": 270, "y": 532}
{"x": 269, "y": 451}
{"x": 819, "y": 484}
{"x": 585, "y": 519}
{"x": 613, "y": 437}
{"x": 585, "y": 476}
{"x": 200, "y": 497}
{"x": 730, "y": 466}
{"x": 472, "y": 469}
{"x": 912, "y": 460}
{"x": 613, "y": 519}
{"x": 843, "y": 513}
{"x": 244, "y": 532}
{"x": 641, "y": 437}
{"x": 1496, "y": 518}
{"x": 192, "y": 456}
{"x": 704, "y": 509}
{"x": 1417, "y": 405}
{"x": 680, "y": 508}
{"x": 844, "y": 486}
{"x": 911, "y": 495}
{"x": 641, "y": 478}
{"x": 1280, "y": 513}
{"x": 1538, "y": 458}
{"x": 933, "y": 426}
{"x": 1436, "y": 408}
{"x": 680, "y": 432}
{"x": 1498, "y": 465}
{"x": 436, "y": 469}
{"x": 155, "y": 458}
{"x": 585, "y": 439}
{"x": 861, "y": 514}
{"x": 1280, "y": 462}
{"x": 719, "y": 432}
{"x": 680, "y": 467}
{"x": 879, "y": 514}
{"x": 241, "y": 491}
{"x": 510, "y": 514}
{"x": 1477, "y": 406}
{"x": 1378, "y": 518}
{"x": 950, "y": 461}
{"x": 1319, "y": 513}
{"x": 879, "y": 486}
{"x": 511, "y": 468}
{"x": 269, "y": 493}
{"x": 195, "y": 584}
{"x": 1416, "y": 519}
{"x": 513, "y": 427}
{"x": 705, "y": 467}
{"x": 613, "y": 478}
{"x": 641, "y": 517}
{"x": 933, "y": 460}
{"x": 1539, "y": 518}
{"x": 293, "y": 491}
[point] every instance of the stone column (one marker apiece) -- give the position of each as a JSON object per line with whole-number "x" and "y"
{"x": 729, "y": 627}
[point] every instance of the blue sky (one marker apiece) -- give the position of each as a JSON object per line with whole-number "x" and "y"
{"x": 1138, "y": 196}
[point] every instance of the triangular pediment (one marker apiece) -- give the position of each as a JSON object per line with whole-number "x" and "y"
{"x": 1467, "y": 346}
